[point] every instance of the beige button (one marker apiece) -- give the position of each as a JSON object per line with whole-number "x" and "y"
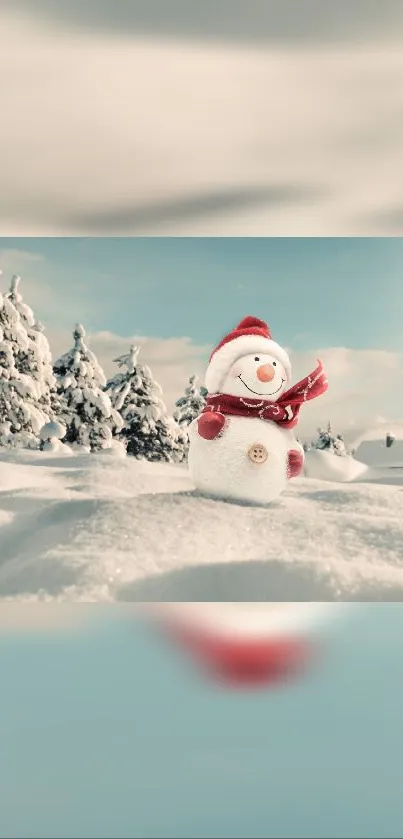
{"x": 258, "y": 453}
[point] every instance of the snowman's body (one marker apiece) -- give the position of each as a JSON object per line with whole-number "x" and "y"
{"x": 230, "y": 468}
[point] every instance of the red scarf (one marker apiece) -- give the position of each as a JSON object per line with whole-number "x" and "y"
{"x": 283, "y": 412}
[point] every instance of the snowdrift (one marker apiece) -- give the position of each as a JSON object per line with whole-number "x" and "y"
{"x": 371, "y": 448}
{"x": 325, "y": 466}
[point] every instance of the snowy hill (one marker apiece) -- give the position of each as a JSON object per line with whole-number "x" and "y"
{"x": 103, "y": 528}
{"x": 371, "y": 447}
{"x": 325, "y": 466}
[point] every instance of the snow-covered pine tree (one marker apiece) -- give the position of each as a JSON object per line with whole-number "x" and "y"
{"x": 339, "y": 446}
{"x": 148, "y": 432}
{"x": 328, "y": 441}
{"x": 21, "y": 416}
{"x": 187, "y": 409}
{"x": 36, "y": 359}
{"x": 85, "y": 409}
{"x": 190, "y": 406}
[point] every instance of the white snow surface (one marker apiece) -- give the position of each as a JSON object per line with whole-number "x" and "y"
{"x": 93, "y": 528}
{"x": 326, "y": 466}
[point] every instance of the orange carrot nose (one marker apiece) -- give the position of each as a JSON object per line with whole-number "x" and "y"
{"x": 265, "y": 373}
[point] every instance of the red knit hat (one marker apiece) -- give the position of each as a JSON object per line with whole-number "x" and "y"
{"x": 250, "y": 336}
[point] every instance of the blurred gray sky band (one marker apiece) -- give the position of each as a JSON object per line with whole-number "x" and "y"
{"x": 262, "y": 21}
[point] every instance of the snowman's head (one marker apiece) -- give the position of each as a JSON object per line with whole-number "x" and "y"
{"x": 249, "y": 363}
{"x": 257, "y": 376}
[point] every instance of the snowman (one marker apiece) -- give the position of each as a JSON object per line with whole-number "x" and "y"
{"x": 242, "y": 447}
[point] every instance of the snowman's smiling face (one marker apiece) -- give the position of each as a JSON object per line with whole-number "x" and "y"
{"x": 257, "y": 376}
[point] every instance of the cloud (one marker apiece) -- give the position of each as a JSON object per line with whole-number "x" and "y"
{"x": 182, "y": 136}
{"x": 365, "y": 386}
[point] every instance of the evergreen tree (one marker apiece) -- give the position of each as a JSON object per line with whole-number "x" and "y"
{"x": 328, "y": 441}
{"x": 191, "y": 405}
{"x": 21, "y": 416}
{"x": 148, "y": 432}
{"x": 85, "y": 409}
{"x": 35, "y": 359}
{"x": 187, "y": 409}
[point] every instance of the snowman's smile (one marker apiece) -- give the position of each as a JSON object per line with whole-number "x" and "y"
{"x": 256, "y": 392}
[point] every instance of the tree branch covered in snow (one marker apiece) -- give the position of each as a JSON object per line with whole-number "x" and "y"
{"x": 24, "y": 397}
{"x": 35, "y": 359}
{"x": 190, "y": 406}
{"x": 148, "y": 431}
{"x": 85, "y": 409}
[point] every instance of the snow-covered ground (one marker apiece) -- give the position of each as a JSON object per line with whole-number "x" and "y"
{"x": 107, "y": 528}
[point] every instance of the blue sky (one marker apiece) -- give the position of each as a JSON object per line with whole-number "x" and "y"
{"x": 314, "y": 292}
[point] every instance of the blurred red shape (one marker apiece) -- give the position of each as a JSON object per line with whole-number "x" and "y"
{"x": 246, "y": 661}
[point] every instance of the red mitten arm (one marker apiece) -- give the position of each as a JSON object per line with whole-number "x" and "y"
{"x": 210, "y": 425}
{"x": 295, "y": 463}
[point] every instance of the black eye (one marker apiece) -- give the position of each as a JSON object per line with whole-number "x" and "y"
{"x": 274, "y": 363}
{"x": 257, "y": 358}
